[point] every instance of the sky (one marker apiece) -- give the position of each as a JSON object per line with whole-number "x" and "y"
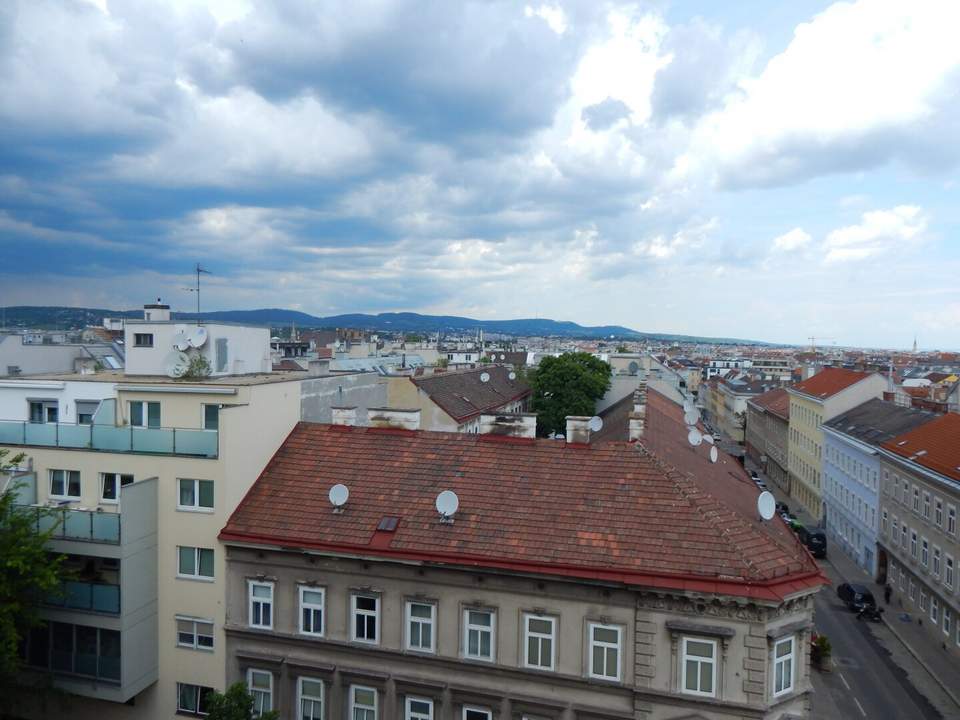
{"x": 749, "y": 169}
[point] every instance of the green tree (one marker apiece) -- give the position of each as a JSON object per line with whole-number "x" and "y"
{"x": 235, "y": 704}
{"x": 567, "y": 385}
{"x": 622, "y": 348}
{"x": 28, "y": 571}
{"x": 199, "y": 367}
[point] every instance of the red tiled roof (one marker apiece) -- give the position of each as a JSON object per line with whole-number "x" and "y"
{"x": 934, "y": 445}
{"x": 463, "y": 395}
{"x": 829, "y": 382}
{"x": 776, "y": 402}
{"x": 608, "y": 511}
{"x": 287, "y": 365}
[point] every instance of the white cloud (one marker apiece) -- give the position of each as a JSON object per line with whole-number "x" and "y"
{"x": 879, "y": 231}
{"x": 552, "y": 15}
{"x": 792, "y": 240}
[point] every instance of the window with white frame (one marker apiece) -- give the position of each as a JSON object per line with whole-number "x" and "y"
{"x": 947, "y": 621}
{"x": 948, "y": 571}
{"x": 420, "y": 622}
{"x": 934, "y": 609}
{"x": 110, "y": 484}
{"x": 65, "y": 484}
{"x": 418, "y": 708}
{"x": 194, "y": 495}
{"x": 923, "y": 601}
{"x": 363, "y": 703}
{"x": 479, "y": 634}
{"x": 926, "y": 505}
{"x": 261, "y": 604}
{"x": 895, "y": 534}
{"x": 936, "y": 561}
{"x": 194, "y": 633}
{"x": 913, "y": 544}
{"x": 144, "y": 414}
{"x": 192, "y": 699}
{"x": 924, "y": 552}
{"x": 604, "y": 651}
{"x": 699, "y": 667}
{"x": 538, "y": 641}
{"x": 44, "y": 411}
{"x": 260, "y": 686}
{"x": 143, "y": 340}
{"x": 883, "y": 522}
{"x": 783, "y": 653}
{"x": 951, "y": 519}
{"x": 903, "y": 578}
{"x": 86, "y": 409}
{"x": 938, "y": 511}
{"x": 912, "y": 592}
{"x": 194, "y": 562}
{"x": 472, "y": 712}
{"x": 312, "y": 610}
{"x": 903, "y": 535}
{"x": 366, "y": 615}
{"x": 310, "y": 698}
{"x": 916, "y": 499}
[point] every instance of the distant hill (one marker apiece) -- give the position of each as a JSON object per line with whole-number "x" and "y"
{"x": 62, "y": 318}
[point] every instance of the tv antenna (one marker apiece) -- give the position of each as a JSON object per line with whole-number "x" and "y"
{"x": 198, "y": 270}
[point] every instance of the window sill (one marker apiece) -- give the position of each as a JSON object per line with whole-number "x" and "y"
{"x": 200, "y": 510}
{"x": 65, "y": 498}
{"x": 196, "y": 578}
{"x": 196, "y": 647}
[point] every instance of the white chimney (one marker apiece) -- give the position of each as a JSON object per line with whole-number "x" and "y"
{"x": 344, "y": 415}
{"x": 578, "y": 429}
{"x": 318, "y": 367}
{"x": 156, "y": 312}
{"x": 522, "y": 425}
{"x": 394, "y": 418}
{"x": 638, "y": 417}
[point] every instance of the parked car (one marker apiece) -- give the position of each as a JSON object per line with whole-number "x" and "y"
{"x": 815, "y": 540}
{"x": 856, "y": 597}
{"x": 760, "y": 484}
{"x": 782, "y": 508}
{"x": 754, "y": 475}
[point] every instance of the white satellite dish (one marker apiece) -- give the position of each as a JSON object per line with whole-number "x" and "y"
{"x": 595, "y": 423}
{"x": 714, "y": 454}
{"x": 339, "y": 494}
{"x": 197, "y": 336}
{"x": 687, "y": 406}
{"x": 447, "y": 504}
{"x": 176, "y": 364}
{"x": 694, "y": 437}
{"x": 484, "y": 377}
{"x": 512, "y": 375}
{"x": 766, "y": 505}
{"x": 691, "y": 416}
{"x": 708, "y": 438}
{"x": 180, "y": 340}
{"x": 502, "y": 356}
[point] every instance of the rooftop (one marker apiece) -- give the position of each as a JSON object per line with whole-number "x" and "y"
{"x": 776, "y": 402}
{"x": 118, "y": 376}
{"x": 828, "y": 382}
{"x": 657, "y": 514}
{"x": 877, "y": 421}
{"x": 463, "y": 395}
{"x": 935, "y": 445}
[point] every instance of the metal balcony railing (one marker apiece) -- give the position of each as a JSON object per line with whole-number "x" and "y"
{"x": 112, "y": 438}
{"x": 84, "y": 525}
{"x": 78, "y": 595}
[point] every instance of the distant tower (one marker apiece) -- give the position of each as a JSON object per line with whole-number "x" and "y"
{"x": 914, "y": 344}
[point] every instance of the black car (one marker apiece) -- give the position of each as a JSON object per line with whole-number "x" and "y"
{"x": 856, "y": 597}
{"x": 782, "y": 507}
{"x": 815, "y": 540}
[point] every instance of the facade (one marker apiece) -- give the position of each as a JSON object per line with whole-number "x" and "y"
{"x": 541, "y": 595}
{"x": 767, "y": 431}
{"x": 918, "y": 543}
{"x": 28, "y": 355}
{"x": 851, "y": 474}
{"x": 813, "y": 402}
{"x": 733, "y": 396}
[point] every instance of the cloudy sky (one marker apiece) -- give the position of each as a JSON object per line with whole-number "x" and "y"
{"x": 688, "y": 166}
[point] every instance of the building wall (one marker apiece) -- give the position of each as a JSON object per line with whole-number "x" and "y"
{"x": 403, "y": 394}
{"x": 731, "y": 407}
{"x": 248, "y": 348}
{"x": 16, "y": 394}
{"x": 766, "y": 440}
{"x": 360, "y": 390}
{"x": 36, "y": 358}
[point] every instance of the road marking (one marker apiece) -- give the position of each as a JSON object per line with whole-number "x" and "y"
{"x": 845, "y": 684}
{"x": 860, "y": 707}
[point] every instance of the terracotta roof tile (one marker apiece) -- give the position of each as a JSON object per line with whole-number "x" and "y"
{"x": 776, "y": 401}
{"x": 934, "y": 445}
{"x": 462, "y": 395}
{"x": 829, "y": 382}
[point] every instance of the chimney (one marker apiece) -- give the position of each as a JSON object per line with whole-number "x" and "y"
{"x": 318, "y": 367}
{"x": 638, "y": 417}
{"x": 344, "y": 415}
{"x": 156, "y": 312}
{"x": 394, "y": 418}
{"x": 578, "y": 430}
{"x": 523, "y": 425}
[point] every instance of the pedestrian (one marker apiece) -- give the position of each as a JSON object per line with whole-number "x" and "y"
{"x": 886, "y": 594}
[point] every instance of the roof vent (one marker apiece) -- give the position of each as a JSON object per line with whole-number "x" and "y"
{"x": 339, "y": 494}
{"x": 901, "y": 443}
{"x": 447, "y": 504}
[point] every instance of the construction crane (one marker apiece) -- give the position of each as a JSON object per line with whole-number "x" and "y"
{"x": 813, "y": 342}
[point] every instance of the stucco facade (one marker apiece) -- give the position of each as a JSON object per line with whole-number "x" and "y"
{"x": 766, "y": 443}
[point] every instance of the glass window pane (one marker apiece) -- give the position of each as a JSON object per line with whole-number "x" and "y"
{"x": 421, "y": 611}
{"x": 187, "y": 564}
{"x": 313, "y": 597}
{"x": 187, "y": 697}
{"x": 691, "y": 675}
{"x": 74, "y": 479}
{"x": 109, "y": 486}
{"x": 605, "y": 635}
{"x": 313, "y": 688}
{"x": 260, "y": 680}
{"x": 206, "y": 493}
{"x": 366, "y": 603}
{"x": 533, "y": 651}
{"x": 699, "y": 649}
{"x": 153, "y": 414}
{"x": 540, "y": 626}
{"x": 479, "y": 618}
{"x": 262, "y": 591}
{"x": 364, "y": 696}
{"x": 206, "y": 563}
{"x": 136, "y": 413}
{"x": 187, "y": 498}
{"x": 485, "y": 639}
{"x": 211, "y": 417}
{"x": 706, "y": 677}
{"x": 598, "y": 668}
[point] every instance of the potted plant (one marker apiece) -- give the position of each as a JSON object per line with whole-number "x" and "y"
{"x": 820, "y": 650}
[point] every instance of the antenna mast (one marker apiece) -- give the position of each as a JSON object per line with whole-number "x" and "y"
{"x": 198, "y": 271}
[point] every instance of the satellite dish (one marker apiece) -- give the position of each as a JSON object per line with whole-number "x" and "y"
{"x": 766, "y": 505}
{"x": 176, "y": 364}
{"x": 180, "y": 340}
{"x": 633, "y": 368}
{"x": 197, "y": 336}
{"x": 694, "y": 437}
{"x": 595, "y": 423}
{"x": 484, "y": 377}
{"x": 708, "y": 438}
{"x": 512, "y": 375}
{"x": 447, "y": 504}
{"x": 502, "y": 356}
{"x": 690, "y": 417}
{"x": 714, "y": 454}
{"x": 687, "y": 406}
{"x": 338, "y": 495}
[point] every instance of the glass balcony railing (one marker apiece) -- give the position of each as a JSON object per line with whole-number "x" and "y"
{"x": 85, "y": 525}
{"x": 77, "y": 595}
{"x": 111, "y": 438}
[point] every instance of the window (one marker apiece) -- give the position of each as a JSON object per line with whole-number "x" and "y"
{"x": 366, "y": 609}
{"x": 471, "y": 712}
{"x": 194, "y": 495}
{"x": 913, "y": 544}
{"x": 895, "y": 534}
{"x": 699, "y": 667}
{"x": 538, "y": 641}
{"x": 86, "y": 410}
{"x": 65, "y": 484}
{"x": 916, "y": 499}
{"x": 947, "y": 621}
{"x": 420, "y": 621}
{"x": 211, "y": 417}
{"x": 938, "y": 512}
{"x": 311, "y": 610}
{"x": 951, "y": 519}
{"x": 912, "y": 593}
{"x": 926, "y": 505}
{"x": 194, "y": 562}
{"x": 194, "y": 633}
{"x": 948, "y": 572}
{"x": 936, "y": 561}
{"x": 110, "y": 484}
{"x": 192, "y": 699}
{"x": 418, "y": 708}
{"x": 44, "y": 411}
{"x": 604, "y": 651}
{"x": 479, "y": 633}
{"x": 363, "y": 703}
{"x": 310, "y": 692}
{"x": 923, "y": 600}
{"x": 144, "y": 414}
{"x": 782, "y": 666}
{"x": 261, "y": 604}
{"x": 903, "y": 536}
{"x": 220, "y": 355}
{"x": 143, "y": 339}
{"x": 924, "y": 552}
{"x": 903, "y": 578}
{"x": 883, "y": 522}
{"x": 260, "y": 684}
{"x": 935, "y": 610}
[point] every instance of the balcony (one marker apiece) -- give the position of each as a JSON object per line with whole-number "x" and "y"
{"x": 112, "y": 438}
{"x": 84, "y": 525}
{"x": 95, "y": 597}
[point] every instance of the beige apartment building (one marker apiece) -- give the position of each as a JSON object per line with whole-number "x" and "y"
{"x": 768, "y": 427}
{"x": 569, "y": 580}
{"x": 813, "y": 402}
